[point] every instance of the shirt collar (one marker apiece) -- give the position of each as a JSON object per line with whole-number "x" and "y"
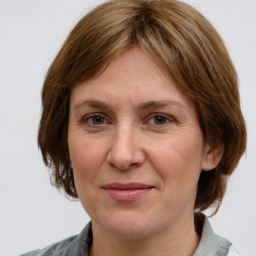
{"x": 210, "y": 244}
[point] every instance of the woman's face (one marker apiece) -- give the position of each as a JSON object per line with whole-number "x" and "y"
{"x": 136, "y": 148}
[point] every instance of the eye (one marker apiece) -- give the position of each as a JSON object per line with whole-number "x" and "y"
{"x": 159, "y": 119}
{"x": 94, "y": 120}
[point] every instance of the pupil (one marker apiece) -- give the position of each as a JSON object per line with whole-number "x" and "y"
{"x": 160, "y": 120}
{"x": 97, "y": 120}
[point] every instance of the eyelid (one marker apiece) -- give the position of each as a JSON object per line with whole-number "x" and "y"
{"x": 169, "y": 118}
{"x": 86, "y": 117}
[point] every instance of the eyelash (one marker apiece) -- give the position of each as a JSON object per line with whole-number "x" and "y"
{"x": 85, "y": 120}
{"x": 88, "y": 119}
{"x": 157, "y": 115}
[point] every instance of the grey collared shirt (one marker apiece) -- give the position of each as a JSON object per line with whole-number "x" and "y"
{"x": 210, "y": 244}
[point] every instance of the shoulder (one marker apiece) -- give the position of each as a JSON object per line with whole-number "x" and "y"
{"x": 60, "y": 248}
{"x": 210, "y": 243}
{"x": 232, "y": 252}
{"x": 74, "y": 245}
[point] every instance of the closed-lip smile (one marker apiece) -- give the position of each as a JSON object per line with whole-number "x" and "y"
{"x": 127, "y": 191}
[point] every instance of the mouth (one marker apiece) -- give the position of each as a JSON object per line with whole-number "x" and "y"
{"x": 127, "y": 192}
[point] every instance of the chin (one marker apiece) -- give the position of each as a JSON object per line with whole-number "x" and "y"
{"x": 130, "y": 226}
{"x": 130, "y": 231}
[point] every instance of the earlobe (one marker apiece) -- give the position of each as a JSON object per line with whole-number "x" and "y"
{"x": 213, "y": 155}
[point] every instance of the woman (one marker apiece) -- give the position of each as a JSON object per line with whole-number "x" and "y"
{"x": 140, "y": 111}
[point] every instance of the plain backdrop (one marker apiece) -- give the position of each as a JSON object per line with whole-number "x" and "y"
{"x": 32, "y": 213}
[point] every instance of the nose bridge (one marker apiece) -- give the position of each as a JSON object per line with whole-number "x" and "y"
{"x": 126, "y": 150}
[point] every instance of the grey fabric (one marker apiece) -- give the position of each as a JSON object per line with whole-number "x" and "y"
{"x": 210, "y": 244}
{"x": 78, "y": 245}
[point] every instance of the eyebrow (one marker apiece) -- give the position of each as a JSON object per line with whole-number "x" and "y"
{"x": 142, "y": 106}
{"x": 160, "y": 103}
{"x": 92, "y": 103}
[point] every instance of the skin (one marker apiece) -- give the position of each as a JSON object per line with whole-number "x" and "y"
{"x": 131, "y": 124}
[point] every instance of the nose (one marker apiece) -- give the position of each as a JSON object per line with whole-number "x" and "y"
{"x": 126, "y": 149}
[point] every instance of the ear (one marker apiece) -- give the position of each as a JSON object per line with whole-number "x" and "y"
{"x": 212, "y": 156}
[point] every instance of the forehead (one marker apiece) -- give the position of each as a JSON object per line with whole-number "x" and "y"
{"x": 132, "y": 61}
{"x": 131, "y": 75}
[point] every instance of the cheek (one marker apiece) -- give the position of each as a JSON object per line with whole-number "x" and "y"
{"x": 86, "y": 159}
{"x": 178, "y": 162}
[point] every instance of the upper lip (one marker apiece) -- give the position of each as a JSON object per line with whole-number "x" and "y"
{"x": 126, "y": 186}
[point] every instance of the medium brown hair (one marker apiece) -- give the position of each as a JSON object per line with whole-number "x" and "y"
{"x": 185, "y": 45}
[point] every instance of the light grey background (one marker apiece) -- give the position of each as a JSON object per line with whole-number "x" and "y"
{"x": 32, "y": 213}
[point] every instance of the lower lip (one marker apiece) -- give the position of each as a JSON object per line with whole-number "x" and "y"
{"x": 127, "y": 194}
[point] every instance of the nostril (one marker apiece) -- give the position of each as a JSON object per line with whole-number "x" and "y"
{"x": 123, "y": 163}
{"x": 125, "y": 151}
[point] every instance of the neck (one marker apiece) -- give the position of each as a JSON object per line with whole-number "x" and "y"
{"x": 178, "y": 240}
